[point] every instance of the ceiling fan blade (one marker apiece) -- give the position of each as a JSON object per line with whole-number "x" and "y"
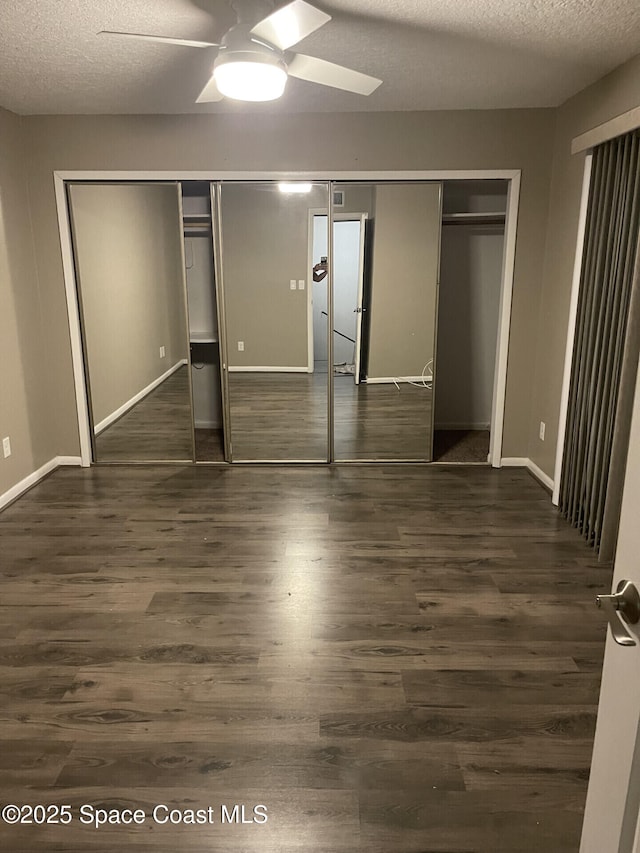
{"x": 289, "y": 25}
{"x": 329, "y": 74}
{"x": 161, "y": 39}
{"x": 210, "y": 93}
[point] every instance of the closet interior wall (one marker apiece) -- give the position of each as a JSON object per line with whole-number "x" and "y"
{"x": 472, "y": 252}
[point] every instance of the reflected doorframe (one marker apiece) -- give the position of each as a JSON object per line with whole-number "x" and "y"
{"x": 355, "y": 216}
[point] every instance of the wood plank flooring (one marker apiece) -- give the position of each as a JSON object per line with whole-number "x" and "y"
{"x": 158, "y": 428}
{"x": 276, "y": 417}
{"x": 392, "y": 659}
{"x": 283, "y": 416}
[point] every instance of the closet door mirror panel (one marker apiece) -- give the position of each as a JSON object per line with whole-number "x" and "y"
{"x": 128, "y": 251}
{"x": 277, "y": 394}
{"x": 387, "y": 271}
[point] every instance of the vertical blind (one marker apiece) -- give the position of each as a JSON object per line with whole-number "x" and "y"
{"x": 601, "y": 344}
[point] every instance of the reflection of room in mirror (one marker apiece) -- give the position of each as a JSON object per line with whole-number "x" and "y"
{"x": 133, "y": 319}
{"x": 381, "y": 421}
{"x": 279, "y": 416}
{"x": 155, "y": 428}
{"x": 383, "y": 410}
{"x": 277, "y": 401}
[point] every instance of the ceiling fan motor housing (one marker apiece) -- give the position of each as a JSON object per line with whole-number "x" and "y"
{"x": 238, "y": 45}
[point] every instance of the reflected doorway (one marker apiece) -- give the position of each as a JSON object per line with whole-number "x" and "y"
{"x": 348, "y": 271}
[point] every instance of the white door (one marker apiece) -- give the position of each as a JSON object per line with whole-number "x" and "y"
{"x": 613, "y": 799}
{"x": 348, "y": 268}
{"x": 347, "y": 289}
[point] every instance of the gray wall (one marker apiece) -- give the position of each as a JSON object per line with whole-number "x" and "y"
{"x": 404, "y": 279}
{"x": 25, "y": 402}
{"x": 612, "y": 95}
{"x": 468, "y": 306}
{"x": 127, "y": 241}
{"x": 265, "y": 240}
{"x": 481, "y": 139}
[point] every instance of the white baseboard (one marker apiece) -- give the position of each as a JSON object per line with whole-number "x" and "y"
{"x": 261, "y": 369}
{"x": 525, "y": 462}
{"x": 539, "y": 474}
{"x": 388, "y": 380}
{"x": 466, "y": 425}
{"x": 122, "y": 410}
{"x": 67, "y": 460}
{"x": 26, "y": 483}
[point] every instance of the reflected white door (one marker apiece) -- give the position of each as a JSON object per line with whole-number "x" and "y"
{"x": 613, "y": 799}
{"x": 348, "y": 268}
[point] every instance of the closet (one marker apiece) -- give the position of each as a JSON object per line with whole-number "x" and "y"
{"x": 214, "y": 329}
{"x": 471, "y": 264}
{"x": 203, "y": 322}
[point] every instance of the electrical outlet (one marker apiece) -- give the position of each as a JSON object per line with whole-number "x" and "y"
{"x": 292, "y": 284}
{"x": 543, "y": 426}
{"x": 300, "y": 284}
{"x": 162, "y": 352}
{"x": 240, "y": 346}
{"x": 6, "y": 446}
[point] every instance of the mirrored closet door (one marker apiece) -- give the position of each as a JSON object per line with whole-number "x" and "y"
{"x": 129, "y": 260}
{"x": 226, "y": 321}
{"x": 385, "y": 278}
{"x": 277, "y": 384}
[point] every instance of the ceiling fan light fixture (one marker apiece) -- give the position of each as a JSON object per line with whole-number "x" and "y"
{"x": 250, "y": 77}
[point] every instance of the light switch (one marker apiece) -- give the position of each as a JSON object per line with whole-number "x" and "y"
{"x": 300, "y": 284}
{"x": 292, "y": 284}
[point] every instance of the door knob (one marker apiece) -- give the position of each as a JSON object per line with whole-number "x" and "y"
{"x": 623, "y": 606}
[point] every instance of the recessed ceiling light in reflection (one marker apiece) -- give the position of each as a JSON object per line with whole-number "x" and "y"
{"x": 297, "y": 187}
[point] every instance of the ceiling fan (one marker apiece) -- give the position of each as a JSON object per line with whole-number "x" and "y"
{"x": 254, "y": 60}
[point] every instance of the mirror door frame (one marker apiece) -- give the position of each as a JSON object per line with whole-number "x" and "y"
{"x": 176, "y": 175}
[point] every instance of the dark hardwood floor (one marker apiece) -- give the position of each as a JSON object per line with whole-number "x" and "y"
{"x": 392, "y": 659}
{"x": 157, "y": 429}
{"x": 283, "y": 416}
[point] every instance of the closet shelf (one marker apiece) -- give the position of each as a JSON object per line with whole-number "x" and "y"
{"x": 196, "y": 217}
{"x": 493, "y": 218}
{"x": 203, "y": 337}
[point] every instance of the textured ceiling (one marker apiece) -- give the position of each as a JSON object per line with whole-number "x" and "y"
{"x": 431, "y": 54}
